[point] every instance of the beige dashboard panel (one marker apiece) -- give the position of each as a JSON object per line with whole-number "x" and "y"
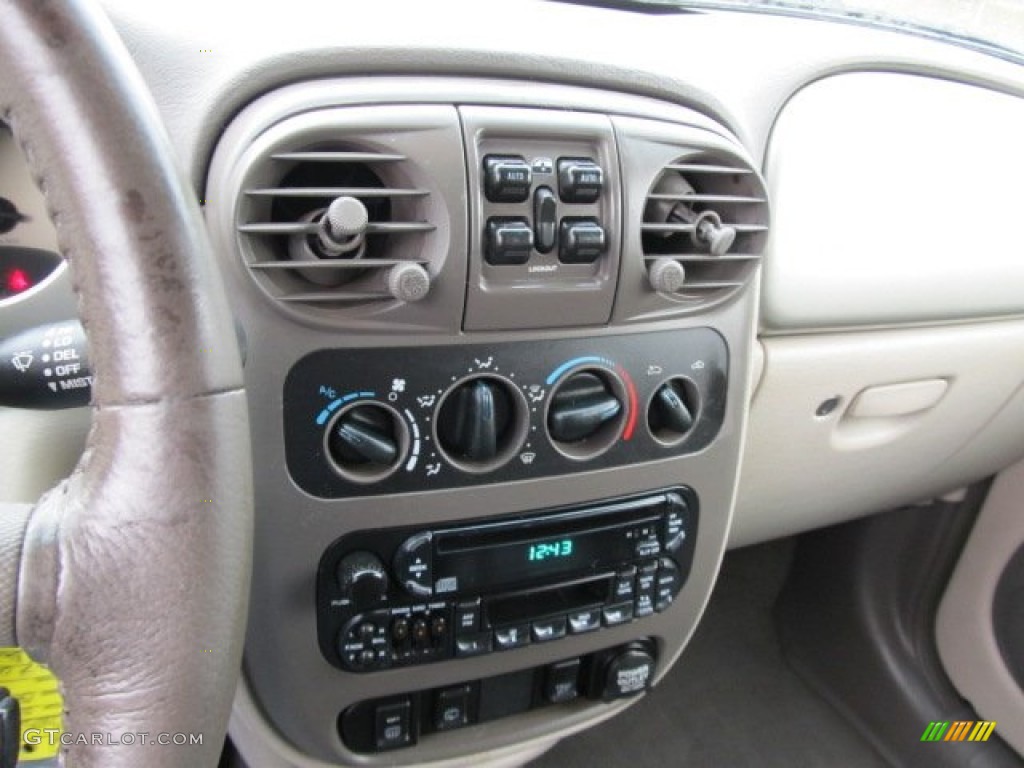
{"x": 963, "y": 627}
{"x": 895, "y": 200}
{"x": 806, "y": 466}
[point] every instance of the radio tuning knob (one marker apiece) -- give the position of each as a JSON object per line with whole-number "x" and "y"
{"x": 363, "y": 579}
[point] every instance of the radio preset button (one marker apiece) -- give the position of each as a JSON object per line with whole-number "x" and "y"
{"x": 549, "y": 629}
{"x": 619, "y": 613}
{"x": 507, "y": 638}
{"x": 467, "y": 616}
{"x": 413, "y": 564}
{"x": 473, "y": 645}
{"x": 584, "y": 621}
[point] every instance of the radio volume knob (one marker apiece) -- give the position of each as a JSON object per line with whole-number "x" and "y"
{"x": 363, "y": 579}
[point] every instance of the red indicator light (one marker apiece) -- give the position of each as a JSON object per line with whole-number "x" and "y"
{"x": 18, "y": 281}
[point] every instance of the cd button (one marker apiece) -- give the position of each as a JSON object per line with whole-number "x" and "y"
{"x": 584, "y": 621}
{"x": 512, "y": 637}
{"x": 549, "y": 629}
{"x": 473, "y": 645}
{"x": 620, "y": 613}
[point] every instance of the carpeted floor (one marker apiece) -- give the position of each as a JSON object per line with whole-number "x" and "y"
{"x": 731, "y": 700}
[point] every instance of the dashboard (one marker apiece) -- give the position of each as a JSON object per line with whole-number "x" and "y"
{"x": 541, "y": 318}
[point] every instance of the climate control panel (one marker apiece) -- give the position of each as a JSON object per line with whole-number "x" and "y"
{"x": 364, "y": 422}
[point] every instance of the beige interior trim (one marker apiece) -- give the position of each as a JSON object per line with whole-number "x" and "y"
{"x": 963, "y": 627}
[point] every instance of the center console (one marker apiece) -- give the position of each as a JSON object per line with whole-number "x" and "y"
{"x": 496, "y": 340}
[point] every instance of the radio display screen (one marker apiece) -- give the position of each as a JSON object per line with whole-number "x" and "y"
{"x": 504, "y": 555}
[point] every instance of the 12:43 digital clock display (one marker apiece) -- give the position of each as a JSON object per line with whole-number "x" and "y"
{"x": 549, "y": 550}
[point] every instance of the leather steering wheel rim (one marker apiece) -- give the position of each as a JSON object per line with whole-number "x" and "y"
{"x": 130, "y": 578}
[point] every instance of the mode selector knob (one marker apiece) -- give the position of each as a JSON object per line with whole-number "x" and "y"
{"x": 363, "y": 579}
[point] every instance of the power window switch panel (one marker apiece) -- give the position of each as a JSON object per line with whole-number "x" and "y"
{"x": 509, "y": 241}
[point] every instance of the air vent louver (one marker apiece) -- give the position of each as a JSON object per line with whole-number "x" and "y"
{"x": 282, "y": 221}
{"x": 704, "y": 227}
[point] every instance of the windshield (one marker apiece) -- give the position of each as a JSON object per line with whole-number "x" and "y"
{"x": 994, "y": 25}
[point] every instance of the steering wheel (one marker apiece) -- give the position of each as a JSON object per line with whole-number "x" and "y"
{"x": 130, "y": 579}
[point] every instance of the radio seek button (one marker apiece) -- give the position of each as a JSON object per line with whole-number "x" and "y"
{"x": 413, "y": 564}
{"x": 584, "y": 621}
{"x": 473, "y": 645}
{"x": 549, "y": 629}
{"x": 507, "y": 638}
{"x": 616, "y": 614}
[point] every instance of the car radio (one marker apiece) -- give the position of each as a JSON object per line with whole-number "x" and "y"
{"x": 402, "y": 596}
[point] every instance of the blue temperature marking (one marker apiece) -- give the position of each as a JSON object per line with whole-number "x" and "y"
{"x": 325, "y": 414}
{"x": 572, "y": 364}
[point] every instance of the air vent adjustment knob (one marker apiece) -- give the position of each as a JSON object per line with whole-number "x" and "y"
{"x": 343, "y": 226}
{"x": 363, "y": 579}
{"x": 666, "y": 275}
{"x": 710, "y": 231}
{"x": 408, "y": 282}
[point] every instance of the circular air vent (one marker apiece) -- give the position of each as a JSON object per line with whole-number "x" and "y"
{"x": 343, "y": 214}
{"x": 704, "y": 227}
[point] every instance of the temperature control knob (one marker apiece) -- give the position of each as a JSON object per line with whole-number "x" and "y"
{"x": 586, "y": 413}
{"x": 366, "y": 441}
{"x": 580, "y": 407}
{"x": 363, "y": 579}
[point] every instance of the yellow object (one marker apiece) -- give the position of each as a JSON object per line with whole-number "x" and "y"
{"x": 35, "y": 688}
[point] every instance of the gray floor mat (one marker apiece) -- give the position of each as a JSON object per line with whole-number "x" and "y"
{"x": 731, "y": 700}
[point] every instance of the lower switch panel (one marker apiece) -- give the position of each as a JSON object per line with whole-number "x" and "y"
{"x": 395, "y": 722}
